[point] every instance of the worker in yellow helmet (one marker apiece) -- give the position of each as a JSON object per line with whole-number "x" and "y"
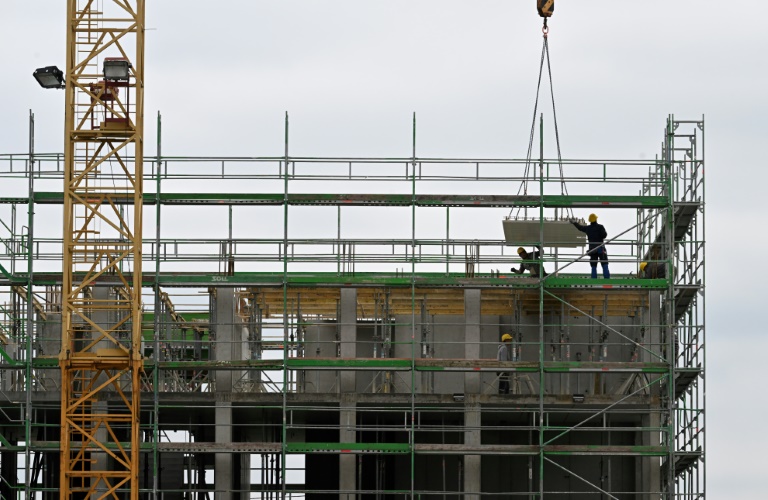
{"x": 653, "y": 270}
{"x": 530, "y": 263}
{"x": 504, "y": 354}
{"x": 596, "y": 236}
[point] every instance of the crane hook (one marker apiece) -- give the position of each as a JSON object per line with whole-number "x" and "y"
{"x": 545, "y": 8}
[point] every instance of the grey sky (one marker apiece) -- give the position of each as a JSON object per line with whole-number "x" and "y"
{"x": 350, "y": 73}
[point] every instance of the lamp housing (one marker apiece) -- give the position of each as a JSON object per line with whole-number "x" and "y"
{"x": 49, "y": 77}
{"x": 117, "y": 69}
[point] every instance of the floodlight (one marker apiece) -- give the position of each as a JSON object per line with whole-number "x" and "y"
{"x": 578, "y": 398}
{"x": 116, "y": 69}
{"x": 49, "y": 77}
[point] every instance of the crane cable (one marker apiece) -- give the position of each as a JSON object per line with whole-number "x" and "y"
{"x": 528, "y": 164}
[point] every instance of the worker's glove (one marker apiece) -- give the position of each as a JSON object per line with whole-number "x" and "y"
{"x": 514, "y": 269}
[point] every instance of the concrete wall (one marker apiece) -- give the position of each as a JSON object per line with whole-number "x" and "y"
{"x": 477, "y": 337}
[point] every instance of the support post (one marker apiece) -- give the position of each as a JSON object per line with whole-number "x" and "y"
{"x": 472, "y": 468}
{"x": 472, "y": 338}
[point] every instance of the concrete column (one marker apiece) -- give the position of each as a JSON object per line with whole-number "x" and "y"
{"x": 347, "y": 461}
{"x": 472, "y": 471}
{"x": 348, "y": 334}
{"x": 105, "y": 318}
{"x": 229, "y": 345}
{"x": 227, "y": 348}
{"x": 649, "y": 473}
{"x": 222, "y": 472}
{"x": 653, "y": 331}
{"x": 8, "y": 378}
{"x": 472, "y": 338}
{"x": 101, "y": 460}
{"x": 49, "y": 340}
{"x": 245, "y": 473}
{"x": 347, "y": 413}
{"x": 164, "y": 335}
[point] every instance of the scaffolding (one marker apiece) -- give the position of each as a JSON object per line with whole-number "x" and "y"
{"x": 329, "y": 326}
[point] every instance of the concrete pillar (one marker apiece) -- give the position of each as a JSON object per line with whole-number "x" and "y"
{"x": 222, "y": 472}
{"x": 8, "y": 378}
{"x": 105, "y": 318}
{"x": 347, "y": 412}
{"x": 472, "y": 338}
{"x": 49, "y": 340}
{"x": 472, "y": 470}
{"x": 228, "y": 347}
{"x": 348, "y": 334}
{"x": 347, "y": 461}
{"x": 164, "y": 329}
{"x": 245, "y": 474}
{"x": 649, "y": 473}
{"x": 653, "y": 332}
{"x": 228, "y": 338}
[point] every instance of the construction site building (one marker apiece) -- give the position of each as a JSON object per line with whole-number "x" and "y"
{"x": 301, "y": 343}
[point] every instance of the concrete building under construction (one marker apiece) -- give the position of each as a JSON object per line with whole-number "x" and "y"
{"x": 305, "y": 327}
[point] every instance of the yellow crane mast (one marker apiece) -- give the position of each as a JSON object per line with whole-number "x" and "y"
{"x": 100, "y": 357}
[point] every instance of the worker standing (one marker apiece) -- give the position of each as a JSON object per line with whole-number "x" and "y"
{"x": 653, "y": 270}
{"x": 504, "y": 354}
{"x": 530, "y": 263}
{"x": 596, "y": 235}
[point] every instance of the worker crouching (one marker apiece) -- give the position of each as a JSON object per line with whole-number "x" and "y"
{"x": 653, "y": 270}
{"x": 530, "y": 263}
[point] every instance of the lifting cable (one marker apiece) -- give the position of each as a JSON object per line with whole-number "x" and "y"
{"x": 528, "y": 164}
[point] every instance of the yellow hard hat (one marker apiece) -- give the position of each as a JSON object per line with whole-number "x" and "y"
{"x": 506, "y": 337}
{"x": 520, "y": 250}
{"x": 642, "y": 266}
{"x": 592, "y": 218}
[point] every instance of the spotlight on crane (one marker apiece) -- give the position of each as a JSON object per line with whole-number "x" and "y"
{"x": 116, "y": 69}
{"x": 49, "y": 77}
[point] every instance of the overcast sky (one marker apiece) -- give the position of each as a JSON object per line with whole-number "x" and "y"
{"x": 351, "y": 73}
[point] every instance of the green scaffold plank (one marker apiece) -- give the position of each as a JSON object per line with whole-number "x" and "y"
{"x": 564, "y": 281}
{"x": 253, "y": 364}
{"x": 598, "y": 201}
{"x": 45, "y": 362}
{"x": 347, "y": 447}
{"x": 369, "y": 199}
{"x": 420, "y": 280}
{"x": 646, "y": 451}
{"x": 373, "y": 279}
{"x": 597, "y": 367}
{"x": 372, "y": 363}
